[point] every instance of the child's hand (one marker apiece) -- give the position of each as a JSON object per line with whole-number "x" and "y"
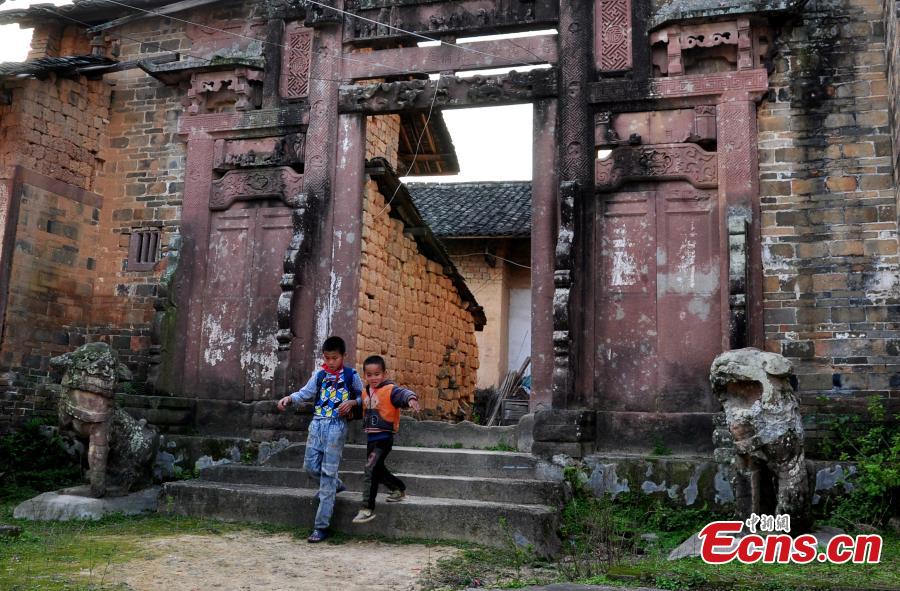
{"x": 414, "y": 404}
{"x": 284, "y": 403}
{"x": 345, "y": 407}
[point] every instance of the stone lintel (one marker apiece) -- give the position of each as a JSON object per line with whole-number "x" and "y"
{"x": 481, "y": 55}
{"x": 448, "y": 92}
{"x": 753, "y": 82}
{"x": 258, "y": 122}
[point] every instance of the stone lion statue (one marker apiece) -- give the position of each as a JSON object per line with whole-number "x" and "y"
{"x": 763, "y": 417}
{"x": 118, "y": 446}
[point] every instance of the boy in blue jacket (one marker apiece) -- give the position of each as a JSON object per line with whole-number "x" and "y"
{"x": 336, "y": 390}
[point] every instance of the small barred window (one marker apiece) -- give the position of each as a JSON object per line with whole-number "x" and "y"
{"x": 143, "y": 251}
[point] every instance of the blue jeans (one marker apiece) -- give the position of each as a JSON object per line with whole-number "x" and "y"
{"x": 324, "y": 447}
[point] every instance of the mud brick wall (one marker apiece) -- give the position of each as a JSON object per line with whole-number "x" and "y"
{"x": 829, "y": 215}
{"x": 49, "y": 296}
{"x": 383, "y": 138}
{"x": 411, "y": 314}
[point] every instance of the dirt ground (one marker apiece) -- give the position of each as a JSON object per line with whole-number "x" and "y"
{"x": 248, "y": 561}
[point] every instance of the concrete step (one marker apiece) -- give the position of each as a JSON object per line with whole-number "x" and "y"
{"x": 431, "y": 461}
{"x": 500, "y": 490}
{"x": 489, "y": 523}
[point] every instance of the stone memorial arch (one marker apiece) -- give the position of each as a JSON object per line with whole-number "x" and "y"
{"x": 645, "y": 196}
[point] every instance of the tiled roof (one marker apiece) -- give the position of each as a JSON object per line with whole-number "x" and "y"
{"x": 495, "y": 209}
{"x": 45, "y": 65}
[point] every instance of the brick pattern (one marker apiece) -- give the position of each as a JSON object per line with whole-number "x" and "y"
{"x": 829, "y": 215}
{"x": 49, "y": 297}
{"x": 54, "y": 127}
{"x": 383, "y": 138}
{"x": 411, "y": 314}
{"x": 892, "y": 52}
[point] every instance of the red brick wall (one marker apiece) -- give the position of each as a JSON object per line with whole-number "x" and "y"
{"x": 52, "y": 274}
{"x": 54, "y": 127}
{"x": 829, "y": 215}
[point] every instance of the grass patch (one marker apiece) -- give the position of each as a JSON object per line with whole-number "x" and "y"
{"x": 603, "y": 544}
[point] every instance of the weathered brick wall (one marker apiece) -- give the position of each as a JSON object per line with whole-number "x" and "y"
{"x": 411, "y": 313}
{"x": 54, "y": 127}
{"x": 49, "y": 295}
{"x": 142, "y": 182}
{"x": 51, "y": 131}
{"x": 892, "y": 52}
{"x": 829, "y": 216}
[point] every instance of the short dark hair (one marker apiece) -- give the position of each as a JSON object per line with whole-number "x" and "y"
{"x": 375, "y": 360}
{"x": 333, "y": 344}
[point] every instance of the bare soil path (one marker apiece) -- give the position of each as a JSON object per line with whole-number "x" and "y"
{"x": 251, "y": 561}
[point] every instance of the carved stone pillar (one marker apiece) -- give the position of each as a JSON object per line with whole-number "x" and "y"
{"x": 576, "y": 155}
{"x": 739, "y": 188}
{"x": 322, "y": 137}
{"x": 195, "y": 232}
{"x": 543, "y": 238}
{"x": 347, "y": 246}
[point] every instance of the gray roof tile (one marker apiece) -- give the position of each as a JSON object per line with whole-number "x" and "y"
{"x": 494, "y": 209}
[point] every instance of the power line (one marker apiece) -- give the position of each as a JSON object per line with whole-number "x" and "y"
{"x": 475, "y": 254}
{"x": 412, "y": 163}
{"x": 136, "y": 40}
{"x": 233, "y": 34}
{"x": 419, "y": 35}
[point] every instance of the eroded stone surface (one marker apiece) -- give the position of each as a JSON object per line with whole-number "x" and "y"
{"x": 763, "y": 417}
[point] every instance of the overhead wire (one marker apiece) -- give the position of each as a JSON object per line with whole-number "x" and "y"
{"x": 414, "y": 34}
{"x": 339, "y": 56}
{"x": 242, "y": 36}
{"x": 136, "y": 40}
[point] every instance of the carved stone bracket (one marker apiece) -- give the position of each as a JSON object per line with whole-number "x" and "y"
{"x": 281, "y": 183}
{"x": 749, "y": 44}
{"x": 662, "y": 162}
{"x": 562, "y": 283}
{"x": 303, "y": 218}
{"x": 317, "y": 15}
{"x": 257, "y": 152}
{"x": 245, "y": 83}
{"x": 393, "y": 97}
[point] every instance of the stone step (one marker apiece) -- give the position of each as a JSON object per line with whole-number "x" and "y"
{"x": 489, "y": 523}
{"x": 431, "y": 461}
{"x": 501, "y": 490}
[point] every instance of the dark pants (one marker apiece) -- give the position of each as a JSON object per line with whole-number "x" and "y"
{"x": 377, "y": 473}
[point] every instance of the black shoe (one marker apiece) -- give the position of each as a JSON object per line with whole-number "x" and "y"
{"x": 317, "y": 536}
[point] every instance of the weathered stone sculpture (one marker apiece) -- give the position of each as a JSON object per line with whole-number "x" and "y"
{"x": 762, "y": 415}
{"x": 117, "y": 443}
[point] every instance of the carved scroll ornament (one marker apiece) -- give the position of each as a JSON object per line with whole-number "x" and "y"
{"x": 281, "y": 183}
{"x": 662, "y": 162}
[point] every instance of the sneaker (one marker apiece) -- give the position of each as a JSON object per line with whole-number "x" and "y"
{"x": 317, "y": 536}
{"x": 396, "y": 496}
{"x": 364, "y": 516}
{"x": 340, "y": 489}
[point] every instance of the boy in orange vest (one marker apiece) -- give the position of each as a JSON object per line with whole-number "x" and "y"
{"x": 382, "y": 400}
